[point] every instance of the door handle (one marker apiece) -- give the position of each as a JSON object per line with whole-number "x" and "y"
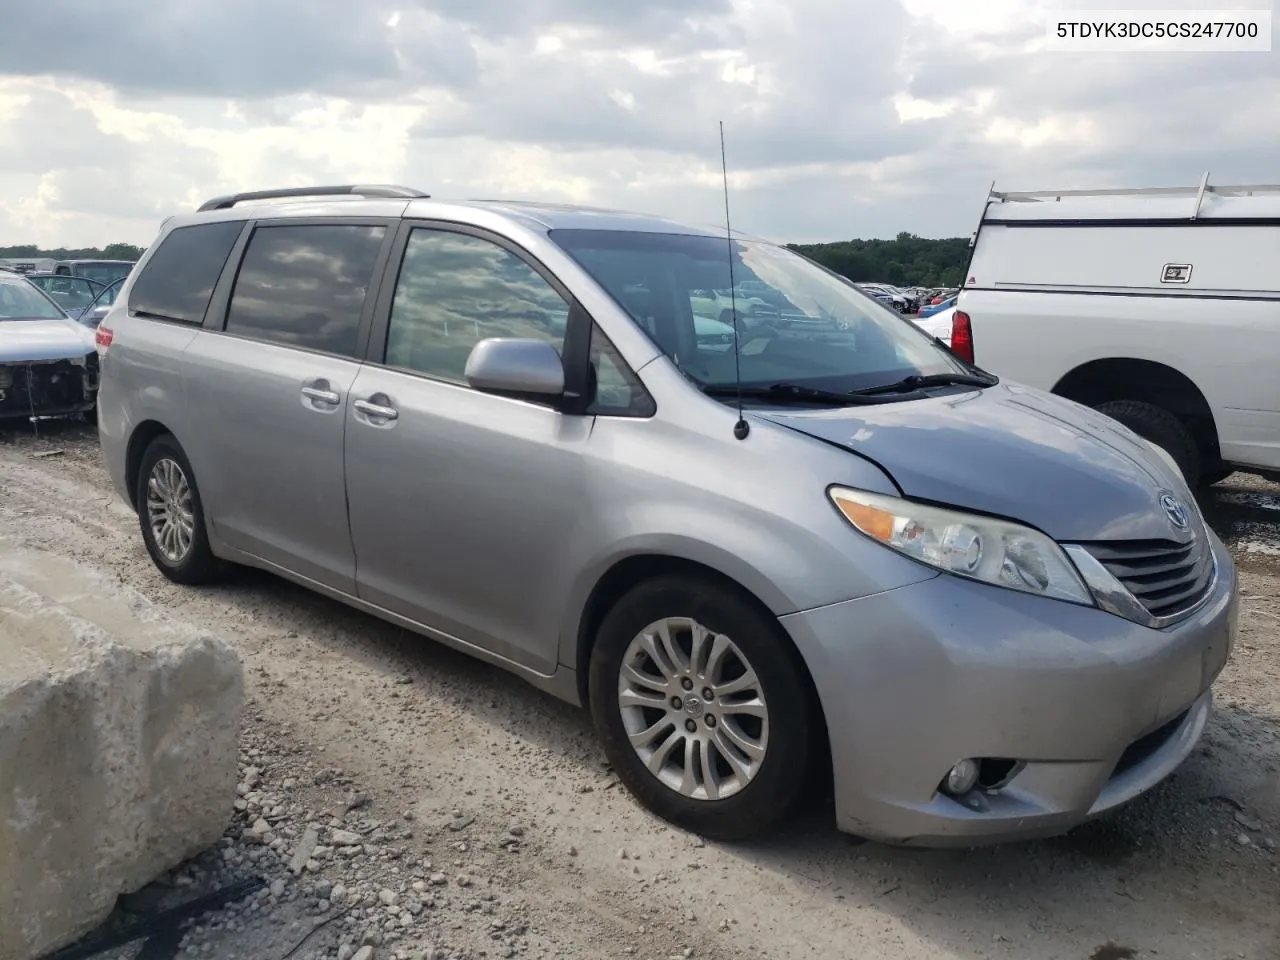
{"x": 376, "y": 411}
{"x": 320, "y": 395}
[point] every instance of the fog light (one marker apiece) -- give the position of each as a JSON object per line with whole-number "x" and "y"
{"x": 961, "y": 778}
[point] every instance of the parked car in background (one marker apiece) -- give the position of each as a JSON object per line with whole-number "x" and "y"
{"x": 104, "y": 271}
{"x": 72, "y": 294}
{"x": 937, "y": 306}
{"x": 1158, "y": 307}
{"x": 720, "y": 304}
{"x": 28, "y": 264}
{"x": 938, "y": 324}
{"x": 879, "y": 294}
{"x": 48, "y": 361}
{"x": 990, "y": 612}
{"x": 900, "y": 299}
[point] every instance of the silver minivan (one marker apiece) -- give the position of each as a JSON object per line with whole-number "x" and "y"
{"x": 989, "y": 612}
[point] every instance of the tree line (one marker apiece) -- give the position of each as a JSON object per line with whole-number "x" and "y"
{"x": 905, "y": 261}
{"x": 112, "y": 251}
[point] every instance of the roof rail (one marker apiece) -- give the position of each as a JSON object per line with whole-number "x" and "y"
{"x": 355, "y": 190}
{"x": 1196, "y": 192}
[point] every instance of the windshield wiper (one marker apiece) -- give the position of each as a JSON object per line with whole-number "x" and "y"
{"x": 784, "y": 393}
{"x": 918, "y": 382}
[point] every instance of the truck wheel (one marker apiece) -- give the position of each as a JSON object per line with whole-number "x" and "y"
{"x": 1162, "y": 428}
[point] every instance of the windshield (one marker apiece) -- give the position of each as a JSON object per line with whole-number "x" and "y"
{"x": 797, "y": 323}
{"x": 19, "y": 300}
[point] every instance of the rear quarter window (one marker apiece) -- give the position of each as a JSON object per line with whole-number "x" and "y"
{"x": 178, "y": 280}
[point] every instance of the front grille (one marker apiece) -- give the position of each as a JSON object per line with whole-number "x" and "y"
{"x": 1164, "y": 576}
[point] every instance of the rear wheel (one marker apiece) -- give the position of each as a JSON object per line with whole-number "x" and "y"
{"x": 702, "y": 707}
{"x": 1162, "y": 428}
{"x": 172, "y": 516}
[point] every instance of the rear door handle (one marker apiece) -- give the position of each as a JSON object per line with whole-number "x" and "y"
{"x": 320, "y": 395}
{"x": 376, "y": 411}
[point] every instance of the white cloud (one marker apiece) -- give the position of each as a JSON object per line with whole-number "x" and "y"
{"x": 844, "y": 117}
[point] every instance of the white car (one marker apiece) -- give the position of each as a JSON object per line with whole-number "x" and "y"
{"x": 1158, "y": 307}
{"x": 938, "y": 325}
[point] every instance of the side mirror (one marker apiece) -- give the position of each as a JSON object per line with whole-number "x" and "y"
{"x": 96, "y": 315}
{"x": 509, "y": 365}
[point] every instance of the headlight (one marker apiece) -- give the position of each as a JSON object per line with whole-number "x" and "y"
{"x": 980, "y": 548}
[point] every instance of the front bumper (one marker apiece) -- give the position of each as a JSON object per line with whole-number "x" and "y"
{"x": 36, "y": 389}
{"x": 1094, "y": 708}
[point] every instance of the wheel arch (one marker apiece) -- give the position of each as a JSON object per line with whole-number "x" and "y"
{"x": 628, "y": 572}
{"x": 1132, "y": 378}
{"x": 139, "y": 440}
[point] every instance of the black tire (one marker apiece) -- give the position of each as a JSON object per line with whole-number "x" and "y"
{"x": 768, "y": 797}
{"x": 198, "y": 565}
{"x": 1163, "y": 429}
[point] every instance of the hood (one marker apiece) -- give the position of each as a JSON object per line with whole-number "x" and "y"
{"x": 1012, "y": 452}
{"x": 60, "y": 339}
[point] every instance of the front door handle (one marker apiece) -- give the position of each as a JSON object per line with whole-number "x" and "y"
{"x": 376, "y": 411}
{"x": 320, "y": 395}
{"x": 318, "y": 392}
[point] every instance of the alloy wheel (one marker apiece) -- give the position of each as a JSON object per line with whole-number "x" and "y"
{"x": 693, "y": 709}
{"x": 170, "y": 510}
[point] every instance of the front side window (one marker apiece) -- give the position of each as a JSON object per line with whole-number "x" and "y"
{"x": 455, "y": 290}
{"x": 796, "y": 323}
{"x": 618, "y": 392}
{"x": 305, "y": 285}
{"x": 178, "y": 280}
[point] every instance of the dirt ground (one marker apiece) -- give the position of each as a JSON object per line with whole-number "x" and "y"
{"x": 463, "y": 758}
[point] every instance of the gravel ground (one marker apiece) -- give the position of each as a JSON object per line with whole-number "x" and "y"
{"x": 401, "y": 800}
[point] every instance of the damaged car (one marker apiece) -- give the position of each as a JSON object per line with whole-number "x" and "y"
{"x": 48, "y": 361}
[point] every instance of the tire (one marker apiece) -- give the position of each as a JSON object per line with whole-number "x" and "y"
{"x": 195, "y": 564}
{"x": 1162, "y": 428}
{"x": 733, "y": 806}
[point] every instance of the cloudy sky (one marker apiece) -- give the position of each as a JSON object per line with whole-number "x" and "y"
{"x": 845, "y": 118}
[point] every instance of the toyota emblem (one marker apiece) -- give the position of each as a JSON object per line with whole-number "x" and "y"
{"x": 1175, "y": 511}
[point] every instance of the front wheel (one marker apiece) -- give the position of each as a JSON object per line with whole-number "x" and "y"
{"x": 703, "y": 707}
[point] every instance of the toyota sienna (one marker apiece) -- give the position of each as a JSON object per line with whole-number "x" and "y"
{"x": 992, "y": 613}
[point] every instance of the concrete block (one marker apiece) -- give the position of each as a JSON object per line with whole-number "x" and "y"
{"x": 119, "y": 731}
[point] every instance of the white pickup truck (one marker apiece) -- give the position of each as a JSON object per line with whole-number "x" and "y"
{"x": 1159, "y": 307}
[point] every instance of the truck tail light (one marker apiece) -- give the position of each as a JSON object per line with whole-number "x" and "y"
{"x": 962, "y": 336}
{"x": 102, "y": 337}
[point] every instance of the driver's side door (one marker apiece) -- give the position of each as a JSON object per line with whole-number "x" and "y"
{"x": 463, "y": 504}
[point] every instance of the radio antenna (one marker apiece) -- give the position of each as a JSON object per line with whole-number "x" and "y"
{"x": 741, "y": 428}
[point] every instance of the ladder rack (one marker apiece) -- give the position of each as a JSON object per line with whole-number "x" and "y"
{"x": 1197, "y": 192}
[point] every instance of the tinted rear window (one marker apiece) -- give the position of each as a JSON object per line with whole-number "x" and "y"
{"x": 305, "y": 286}
{"x": 179, "y": 278}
